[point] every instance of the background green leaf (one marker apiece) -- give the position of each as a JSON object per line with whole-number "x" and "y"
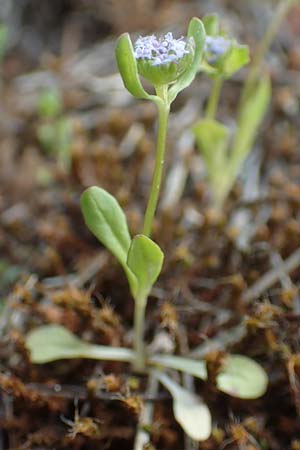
{"x": 3, "y": 40}
{"x": 50, "y": 104}
{"x": 106, "y": 220}
{"x": 211, "y": 24}
{"x": 251, "y": 115}
{"x": 242, "y": 377}
{"x": 237, "y": 58}
{"x": 213, "y": 141}
{"x": 145, "y": 260}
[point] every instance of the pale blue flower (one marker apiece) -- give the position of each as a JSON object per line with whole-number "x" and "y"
{"x": 216, "y": 46}
{"x": 162, "y": 50}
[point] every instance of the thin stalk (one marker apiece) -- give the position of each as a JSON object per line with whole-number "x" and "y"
{"x": 142, "y": 439}
{"x": 214, "y": 97}
{"x": 163, "y": 116}
{"x": 139, "y": 328}
{"x": 107, "y": 353}
{"x": 280, "y": 13}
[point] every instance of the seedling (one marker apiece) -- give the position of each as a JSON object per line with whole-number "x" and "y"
{"x": 54, "y": 131}
{"x": 170, "y": 65}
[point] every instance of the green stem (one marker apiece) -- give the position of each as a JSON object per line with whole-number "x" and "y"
{"x": 214, "y": 98}
{"x": 280, "y": 13}
{"x": 139, "y": 326}
{"x": 108, "y": 353}
{"x": 163, "y": 115}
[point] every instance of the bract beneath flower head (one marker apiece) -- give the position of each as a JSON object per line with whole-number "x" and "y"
{"x": 162, "y": 60}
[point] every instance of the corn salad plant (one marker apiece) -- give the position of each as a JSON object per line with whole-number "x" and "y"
{"x": 170, "y": 65}
{"x": 224, "y": 151}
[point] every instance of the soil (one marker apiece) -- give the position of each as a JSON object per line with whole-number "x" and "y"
{"x": 230, "y": 282}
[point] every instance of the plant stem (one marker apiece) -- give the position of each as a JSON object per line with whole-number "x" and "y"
{"x": 214, "y": 98}
{"x": 163, "y": 115}
{"x": 281, "y": 11}
{"x": 139, "y": 325}
{"x": 142, "y": 438}
{"x": 107, "y": 353}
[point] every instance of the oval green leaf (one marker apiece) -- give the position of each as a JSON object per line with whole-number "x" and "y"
{"x": 106, "y": 220}
{"x": 189, "y": 410}
{"x": 212, "y": 139}
{"x": 237, "y": 58}
{"x": 145, "y": 260}
{"x": 128, "y": 67}
{"x": 242, "y": 377}
{"x": 211, "y": 24}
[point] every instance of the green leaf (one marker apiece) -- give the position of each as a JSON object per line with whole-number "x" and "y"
{"x": 106, "y": 220}
{"x": 197, "y": 32}
{"x": 189, "y": 410}
{"x": 242, "y": 377}
{"x": 212, "y": 139}
{"x": 211, "y": 24}
{"x": 145, "y": 260}
{"x": 237, "y": 58}
{"x": 46, "y": 134}
{"x": 190, "y": 366}
{"x": 50, "y": 104}
{"x": 128, "y": 67}
{"x": 3, "y": 40}
{"x": 251, "y": 115}
{"x": 53, "y": 342}
{"x": 63, "y": 143}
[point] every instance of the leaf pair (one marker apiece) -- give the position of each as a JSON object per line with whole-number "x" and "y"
{"x": 140, "y": 257}
{"x": 224, "y": 159}
{"x": 239, "y": 376}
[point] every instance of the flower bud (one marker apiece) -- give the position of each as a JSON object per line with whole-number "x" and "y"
{"x": 163, "y": 60}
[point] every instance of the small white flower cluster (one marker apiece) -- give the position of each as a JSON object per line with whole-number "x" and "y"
{"x": 163, "y": 50}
